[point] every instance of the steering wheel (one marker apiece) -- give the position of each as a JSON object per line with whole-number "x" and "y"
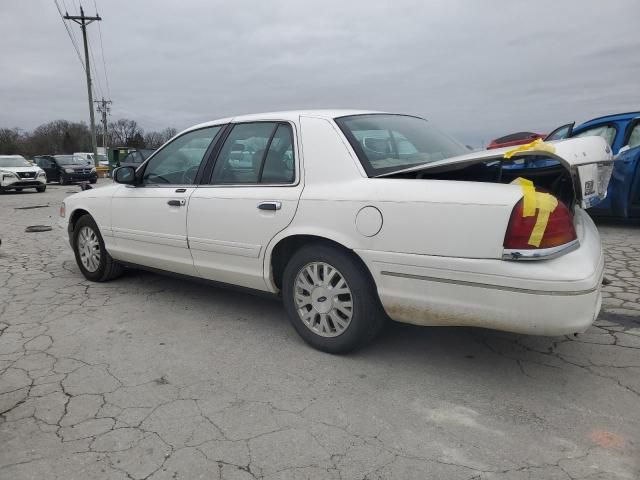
{"x": 189, "y": 176}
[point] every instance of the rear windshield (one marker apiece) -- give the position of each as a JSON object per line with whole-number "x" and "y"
{"x": 386, "y": 143}
{"x": 14, "y": 162}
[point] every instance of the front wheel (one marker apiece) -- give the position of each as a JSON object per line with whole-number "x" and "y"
{"x": 330, "y": 299}
{"x": 61, "y": 180}
{"x": 41, "y": 189}
{"x": 94, "y": 181}
{"x": 92, "y": 258}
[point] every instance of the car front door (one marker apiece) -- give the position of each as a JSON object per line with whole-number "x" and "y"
{"x": 49, "y": 167}
{"x": 149, "y": 220}
{"x": 250, "y": 196}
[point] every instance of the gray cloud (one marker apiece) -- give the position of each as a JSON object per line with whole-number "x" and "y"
{"x": 478, "y": 69}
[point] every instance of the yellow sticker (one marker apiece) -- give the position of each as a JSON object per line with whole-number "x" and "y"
{"x": 544, "y": 203}
{"x": 529, "y": 192}
{"x": 537, "y": 145}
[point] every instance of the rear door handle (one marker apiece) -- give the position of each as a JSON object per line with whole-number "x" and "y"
{"x": 176, "y": 203}
{"x": 270, "y": 205}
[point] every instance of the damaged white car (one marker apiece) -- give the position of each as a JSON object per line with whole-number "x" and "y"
{"x": 353, "y": 217}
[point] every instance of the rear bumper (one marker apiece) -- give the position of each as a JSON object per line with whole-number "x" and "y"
{"x": 545, "y": 297}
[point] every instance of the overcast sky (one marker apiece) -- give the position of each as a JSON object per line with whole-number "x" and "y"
{"x": 479, "y": 69}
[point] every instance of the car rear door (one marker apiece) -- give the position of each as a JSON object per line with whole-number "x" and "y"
{"x": 149, "y": 221}
{"x": 250, "y": 195}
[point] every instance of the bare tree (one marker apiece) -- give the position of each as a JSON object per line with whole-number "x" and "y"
{"x": 156, "y": 139}
{"x": 123, "y": 131}
{"x": 11, "y": 140}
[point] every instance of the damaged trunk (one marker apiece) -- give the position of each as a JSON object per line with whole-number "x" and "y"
{"x": 575, "y": 171}
{"x": 546, "y": 174}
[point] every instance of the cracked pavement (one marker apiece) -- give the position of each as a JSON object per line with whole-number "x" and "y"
{"x": 149, "y": 377}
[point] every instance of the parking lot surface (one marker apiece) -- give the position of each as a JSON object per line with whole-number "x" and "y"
{"x": 153, "y": 377}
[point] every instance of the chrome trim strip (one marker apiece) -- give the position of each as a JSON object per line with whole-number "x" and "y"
{"x": 540, "y": 253}
{"x": 490, "y": 286}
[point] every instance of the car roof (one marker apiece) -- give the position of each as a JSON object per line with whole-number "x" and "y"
{"x": 610, "y": 118}
{"x": 11, "y": 156}
{"x": 291, "y": 115}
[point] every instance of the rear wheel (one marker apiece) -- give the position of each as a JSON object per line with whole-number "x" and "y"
{"x": 330, "y": 299}
{"x": 92, "y": 258}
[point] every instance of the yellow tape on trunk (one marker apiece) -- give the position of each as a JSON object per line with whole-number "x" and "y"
{"x": 538, "y": 145}
{"x": 544, "y": 203}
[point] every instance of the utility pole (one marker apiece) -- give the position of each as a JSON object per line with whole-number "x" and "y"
{"x": 103, "y": 108}
{"x": 83, "y": 21}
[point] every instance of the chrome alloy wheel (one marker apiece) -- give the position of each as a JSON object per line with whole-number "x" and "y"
{"x": 89, "y": 249}
{"x": 323, "y": 299}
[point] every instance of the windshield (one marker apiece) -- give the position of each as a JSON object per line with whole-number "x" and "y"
{"x": 70, "y": 160}
{"x": 14, "y": 162}
{"x": 387, "y": 143}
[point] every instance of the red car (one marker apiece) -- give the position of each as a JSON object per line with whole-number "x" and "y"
{"x": 519, "y": 138}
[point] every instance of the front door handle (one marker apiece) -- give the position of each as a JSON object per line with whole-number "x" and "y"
{"x": 270, "y": 205}
{"x": 176, "y": 203}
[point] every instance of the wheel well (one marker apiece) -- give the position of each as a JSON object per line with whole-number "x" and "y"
{"x": 73, "y": 219}
{"x": 286, "y": 247}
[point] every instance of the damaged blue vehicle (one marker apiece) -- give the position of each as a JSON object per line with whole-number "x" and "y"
{"x": 622, "y": 133}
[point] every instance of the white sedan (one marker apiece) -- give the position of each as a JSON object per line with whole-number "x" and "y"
{"x": 353, "y": 217}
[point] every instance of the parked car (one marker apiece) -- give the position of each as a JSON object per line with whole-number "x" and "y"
{"x": 66, "y": 169}
{"x": 622, "y": 132}
{"x": 86, "y": 156}
{"x": 135, "y": 158}
{"x": 351, "y": 216}
{"x": 519, "y": 138}
{"x": 16, "y": 173}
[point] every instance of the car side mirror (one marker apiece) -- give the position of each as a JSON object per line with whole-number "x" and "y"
{"x": 125, "y": 175}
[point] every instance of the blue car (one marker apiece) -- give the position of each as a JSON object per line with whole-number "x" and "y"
{"x": 622, "y": 132}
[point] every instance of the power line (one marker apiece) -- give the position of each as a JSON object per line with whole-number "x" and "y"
{"x": 104, "y": 63}
{"x": 66, "y": 11}
{"x": 95, "y": 69}
{"x": 75, "y": 46}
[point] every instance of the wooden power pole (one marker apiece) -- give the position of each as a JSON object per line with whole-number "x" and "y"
{"x": 103, "y": 108}
{"x": 83, "y": 21}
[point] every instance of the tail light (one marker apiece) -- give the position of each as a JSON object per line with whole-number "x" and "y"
{"x": 559, "y": 229}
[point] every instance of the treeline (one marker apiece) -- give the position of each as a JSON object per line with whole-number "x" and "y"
{"x": 63, "y": 137}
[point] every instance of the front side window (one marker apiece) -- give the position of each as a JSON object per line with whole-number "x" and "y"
{"x": 634, "y": 136}
{"x": 608, "y": 132}
{"x": 260, "y": 152}
{"x": 387, "y": 143}
{"x": 179, "y": 161}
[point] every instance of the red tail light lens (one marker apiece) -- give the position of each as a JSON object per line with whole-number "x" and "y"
{"x": 559, "y": 229}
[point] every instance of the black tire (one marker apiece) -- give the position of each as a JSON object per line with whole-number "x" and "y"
{"x": 61, "y": 180}
{"x": 41, "y": 189}
{"x": 108, "y": 268}
{"x": 367, "y": 312}
{"x": 94, "y": 181}
{"x": 18, "y": 189}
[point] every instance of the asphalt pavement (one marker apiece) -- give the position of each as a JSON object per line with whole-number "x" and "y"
{"x": 153, "y": 377}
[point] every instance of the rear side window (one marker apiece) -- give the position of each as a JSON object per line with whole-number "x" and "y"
{"x": 387, "y": 143}
{"x": 608, "y": 132}
{"x": 253, "y": 153}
